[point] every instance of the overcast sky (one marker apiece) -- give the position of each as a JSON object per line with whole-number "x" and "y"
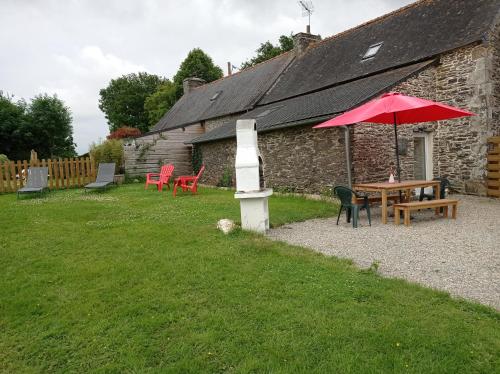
{"x": 74, "y": 47}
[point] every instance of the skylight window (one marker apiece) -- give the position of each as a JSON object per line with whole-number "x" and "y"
{"x": 372, "y": 51}
{"x": 215, "y": 96}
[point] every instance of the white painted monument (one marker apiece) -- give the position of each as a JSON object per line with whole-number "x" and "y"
{"x": 250, "y": 189}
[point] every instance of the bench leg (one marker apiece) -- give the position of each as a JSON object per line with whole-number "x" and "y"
{"x": 454, "y": 211}
{"x": 396, "y": 215}
{"x": 407, "y": 216}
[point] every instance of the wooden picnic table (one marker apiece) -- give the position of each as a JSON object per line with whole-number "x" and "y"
{"x": 406, "y": 186}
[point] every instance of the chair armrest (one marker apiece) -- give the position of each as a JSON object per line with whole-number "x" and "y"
{"x": 187, "y": 178}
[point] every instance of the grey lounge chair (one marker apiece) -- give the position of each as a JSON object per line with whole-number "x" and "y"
{"x": 37, "y": 181}
{"x": 105, "y": 176}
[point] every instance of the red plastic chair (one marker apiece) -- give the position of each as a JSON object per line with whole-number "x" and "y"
{"x": 188, "y": 182}
{"x": 161, "y": 178}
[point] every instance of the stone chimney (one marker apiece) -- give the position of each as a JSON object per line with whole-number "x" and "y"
{"x": 189, "y": 84}
{"x": 302, "y": 40}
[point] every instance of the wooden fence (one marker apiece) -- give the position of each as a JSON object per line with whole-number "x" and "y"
{"x": 494, "y": 167}
{"x": 63, "y": 173}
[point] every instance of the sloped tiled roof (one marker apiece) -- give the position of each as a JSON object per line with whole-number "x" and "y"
{"x": 316, "y": 106}
{"x": 411, "y": 34}
{"x": 238, "y": 92}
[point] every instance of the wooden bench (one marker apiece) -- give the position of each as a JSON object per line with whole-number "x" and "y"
{"x": 416, "y": 205}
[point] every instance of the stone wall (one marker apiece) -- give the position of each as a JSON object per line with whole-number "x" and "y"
{"x": 296, "y": 159}
{"x": 218, "y": 158}
{"x": 494, "y": 47}
{"x": 463, "y": 78}
{"x": 373, "y": 145}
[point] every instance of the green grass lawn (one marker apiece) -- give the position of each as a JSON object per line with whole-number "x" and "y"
{"x": 137, "y": 281}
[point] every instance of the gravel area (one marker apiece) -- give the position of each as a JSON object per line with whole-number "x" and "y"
{"x": 460, "y": 256}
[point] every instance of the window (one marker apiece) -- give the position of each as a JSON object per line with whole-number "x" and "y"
{"x": 215, "y": 96}
{"x": 372, "y": 51}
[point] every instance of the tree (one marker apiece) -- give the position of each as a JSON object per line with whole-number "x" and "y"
{"x": 44, "y": 125}
{"x": 157, "y": 104}
{"x": 267, "y": 50}
{"x": 197, "y": 64}
{"x": 123, "y": 100}
{"x": 12, "y": 118}
{"x": 48, "y": 128}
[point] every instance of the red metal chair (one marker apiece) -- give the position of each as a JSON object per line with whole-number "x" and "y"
{"x": 161, "y": 178}
{"x": 188, "y": 182}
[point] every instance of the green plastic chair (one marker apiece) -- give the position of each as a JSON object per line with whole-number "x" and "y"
{"x": 345, "y": 196}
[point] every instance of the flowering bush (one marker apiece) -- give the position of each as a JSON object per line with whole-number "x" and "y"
{"x": 125, "y": 132}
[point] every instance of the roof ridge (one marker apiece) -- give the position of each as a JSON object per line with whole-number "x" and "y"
{"x": 369, "y": 22}
{"x": 244, "y": 70}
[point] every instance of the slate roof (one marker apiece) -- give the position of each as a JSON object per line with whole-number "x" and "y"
{"x": 316, "y": 106}
{"x": 413, "y": 33}
{"x": 238, "y": 92}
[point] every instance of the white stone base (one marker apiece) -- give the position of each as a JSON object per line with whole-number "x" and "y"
{"x": 254, "y": 210}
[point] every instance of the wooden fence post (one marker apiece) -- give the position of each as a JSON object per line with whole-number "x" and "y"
{"x": 2, "y": 186}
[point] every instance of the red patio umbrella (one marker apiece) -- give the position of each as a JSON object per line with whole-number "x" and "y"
{"x": 396, "y": 109}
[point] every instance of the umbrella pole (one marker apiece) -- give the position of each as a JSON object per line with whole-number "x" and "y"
{"x": 347, "y": 141}
{"x": 398, "y": 168}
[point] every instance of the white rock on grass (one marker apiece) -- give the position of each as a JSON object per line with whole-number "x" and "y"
{"x": 226, "y": 225}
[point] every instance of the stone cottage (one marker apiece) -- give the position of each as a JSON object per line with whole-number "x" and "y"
{"x": 447, "y": 51}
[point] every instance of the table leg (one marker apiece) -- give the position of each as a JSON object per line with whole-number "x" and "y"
{"x": 396, "y": 215}
{"x": 407, "y": 217}
{"x": 384, "y": 206}
{"x": 437, "y": 194}
{"x": 454, "y": 211}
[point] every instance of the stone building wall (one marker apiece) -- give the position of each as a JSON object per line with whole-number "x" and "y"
{"x": 296, "y": 159}
{"x": 494, "y": 47}
{"x": 218, "y": 158}
{"x": 373, "y": 145}
{"x": 463, "y": 78}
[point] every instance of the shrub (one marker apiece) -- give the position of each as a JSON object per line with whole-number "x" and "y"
{"x": 108, "y": 151}
{"x": 196, "y": 159}
{"x": 227, "y": 179}
{"x": 125, "y": 132}
{"x": 3, "y": 158}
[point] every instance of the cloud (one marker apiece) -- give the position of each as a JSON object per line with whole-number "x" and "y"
{"x": 74, "y": 48}
{"x": 80, "y": 78}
